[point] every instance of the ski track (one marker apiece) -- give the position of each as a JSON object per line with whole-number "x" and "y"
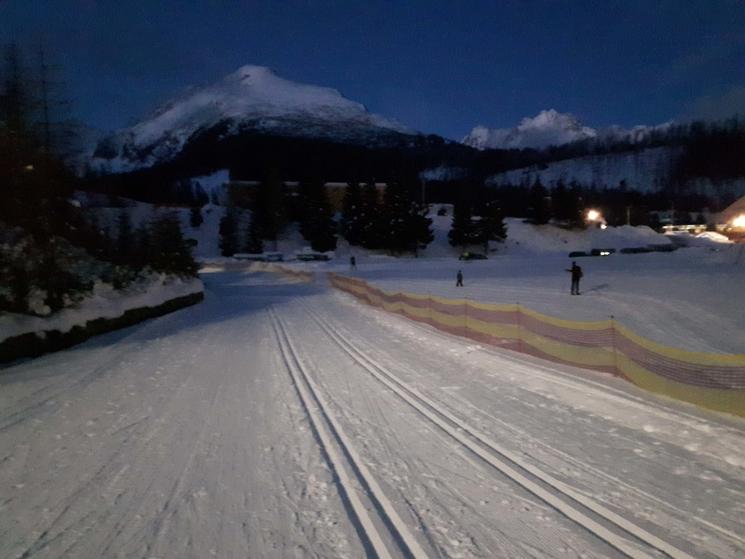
{"x": 510, "y": 464}
{"x": 284, "y": 420}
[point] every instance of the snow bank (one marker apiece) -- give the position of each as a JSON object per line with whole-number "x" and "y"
{"x": 104, "y": 302}
{"x": 536, "y": 239}
{"x": 708, "y": 239}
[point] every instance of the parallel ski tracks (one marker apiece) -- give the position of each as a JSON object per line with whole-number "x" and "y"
{"x": 562, "y": 497}
{"x": 347, "y": 464}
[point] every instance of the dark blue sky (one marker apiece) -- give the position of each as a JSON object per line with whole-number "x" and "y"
{"x": 438, "y": 67}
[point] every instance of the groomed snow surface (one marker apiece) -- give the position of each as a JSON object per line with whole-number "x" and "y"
{"x": 282, "y": 419}
{"x": 103, "y": 302}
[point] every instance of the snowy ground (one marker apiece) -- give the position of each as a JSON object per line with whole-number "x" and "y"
{"x": 690, "y": 299}
{"x": 282, "y": 419}
{"x": 103, "y": 302}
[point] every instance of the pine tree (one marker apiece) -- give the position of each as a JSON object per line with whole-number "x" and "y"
{"x": 252, "y": 243}
{"x": 124, "y": 238}
{"x": 370, "y": 218}
{"x": 404, "y": 223}
{"x": 316, "y": 220}
{"x": 172, "y": 254}
{"x": 55, "y": 280}
{"x": 462, "y": 231}
{"x": 421, "y": 227}
{"x": 195, "y": 216}
{"x": 540, "y": 203}
{"x": 351, "y": 224}
{"x": 492, "y": 225}
{"x": 269, "y": 207}
{"x": 229, "y": 232}
{"x": 143, "y": 247}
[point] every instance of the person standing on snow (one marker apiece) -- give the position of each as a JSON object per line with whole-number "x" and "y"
{"x": 459, "y": 279}
{"x": 576, "y": 272}
{"x": 352, "y": 262}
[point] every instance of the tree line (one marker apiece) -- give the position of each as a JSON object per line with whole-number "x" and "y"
{"x": 51, "y": 252}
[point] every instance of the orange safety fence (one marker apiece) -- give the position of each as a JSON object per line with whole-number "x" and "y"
{"x": 296, "y": 275}
{"x": 711, "y": 380}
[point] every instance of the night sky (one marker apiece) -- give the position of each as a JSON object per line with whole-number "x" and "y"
{"x": 439, "y": 67}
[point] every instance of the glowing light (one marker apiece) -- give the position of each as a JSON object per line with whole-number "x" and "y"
{"x": 603, "y": 226}
{"x": 593, "y": 215}
{"x": 739, "y": 221}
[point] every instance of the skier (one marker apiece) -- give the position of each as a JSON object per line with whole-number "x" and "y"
{"x": 576, "y": 272}
{"x": 459, "y": 279}
{"x": 352, "y": 262}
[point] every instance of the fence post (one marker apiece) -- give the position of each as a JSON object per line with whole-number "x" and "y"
{"x": 613, "y": 345}
{"x": 465, "y": 318}
{"x": 520, "y": 347}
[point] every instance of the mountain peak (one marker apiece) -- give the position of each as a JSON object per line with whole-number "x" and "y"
{"x": 547, "y": 128}
{"x": 251, "y": 98}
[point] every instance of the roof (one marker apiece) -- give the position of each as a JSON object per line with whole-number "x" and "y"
{"x": 734, "y": 209}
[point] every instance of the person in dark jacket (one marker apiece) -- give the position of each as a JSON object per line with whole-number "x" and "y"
{"x": 576, "y": 272}
{"x": 459, "y": 279}
{"x": 352, "y": 262}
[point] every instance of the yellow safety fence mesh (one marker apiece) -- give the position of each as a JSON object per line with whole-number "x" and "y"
{"x": 710, "y": 380}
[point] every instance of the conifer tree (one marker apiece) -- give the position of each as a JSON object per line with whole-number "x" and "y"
{"x": 269, "y": 207}
{"x": 540, "y": 203}
{"x": 404, "y": 223}
{"x": 195, "y": 216}
{"x": 370, "y": 217}
{"x": 492, "y": 225}
{"x": 171, "y": 253}
{"x": 462, "y": 231}
{"x": 252, "y": 243}
{"x": 228, "y": 231}
{"x": 351, "y": 224}
{"x": 124, "y": 238}
{"x": 316, "y": 221}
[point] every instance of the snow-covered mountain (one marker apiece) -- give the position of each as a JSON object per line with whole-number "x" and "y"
{"x": 552, "y": 128}
{"x": 545, "y": 129}
{"x": 251, "y": 99}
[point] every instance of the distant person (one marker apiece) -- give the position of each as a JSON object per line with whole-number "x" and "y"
{"x": 576, "y": 272}
{"x": 353, "y": 262}
{"x": 459, "y": 279}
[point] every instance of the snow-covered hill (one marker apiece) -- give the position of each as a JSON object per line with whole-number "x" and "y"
{"x": 644, "y": 170}
{"x": 251, "y": 99}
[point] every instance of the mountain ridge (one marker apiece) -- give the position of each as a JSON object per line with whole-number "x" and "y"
{"x": 253, "y": 98}
{"x": 551, "y": 128}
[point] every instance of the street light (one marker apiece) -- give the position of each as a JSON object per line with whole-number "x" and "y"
{"x": 593, "y": 215}
{"x": 739, "y": 222}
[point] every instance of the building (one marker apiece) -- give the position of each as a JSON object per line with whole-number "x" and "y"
{"x": 731, "y": 221}
{"x": 244, "y": 191}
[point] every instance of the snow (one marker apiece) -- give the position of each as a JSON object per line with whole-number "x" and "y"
{"x": 691, "y": 299}
{"x": 687, "y": 299}
{"x": 707, "y": 239}
{"x": 547, "y": 128}
{"x": 644, "y": 170}
{"x": 214, "y": 182}
{"x": 103, "y": 302}
{"x": 552, "y": 128}
{"x": 188, "y": 436}
{"x": 252, "y": 95}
